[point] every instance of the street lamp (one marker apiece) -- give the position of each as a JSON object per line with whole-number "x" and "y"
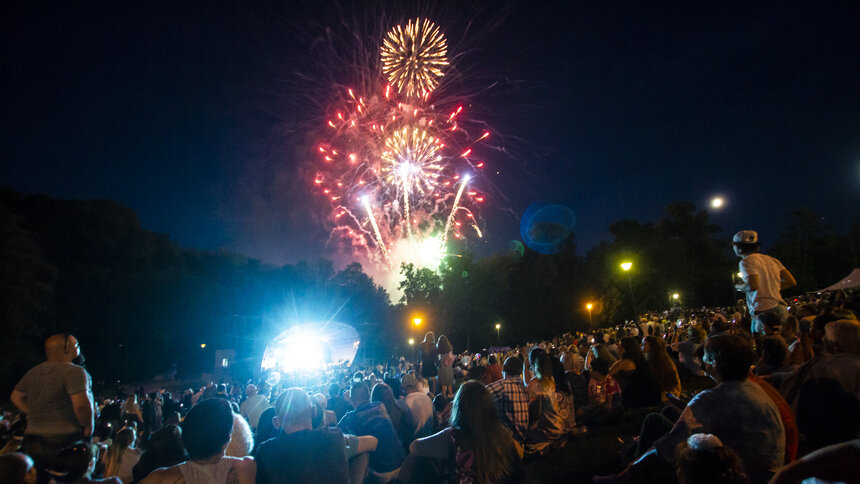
{"x": 589, "y": 306}
{"x": 676, "y": 296}
{"x": 202, "y": 345}
{"x": 415, "y": 322}
{"x": 626, "y": 267}
{"x": 498, "y": 329}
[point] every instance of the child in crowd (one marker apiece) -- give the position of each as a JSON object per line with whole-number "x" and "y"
{"x": 604, "y": 395}
{"x": 703, "y": 459}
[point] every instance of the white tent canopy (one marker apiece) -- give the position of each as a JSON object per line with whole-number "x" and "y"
{"x": 850, "y": 281}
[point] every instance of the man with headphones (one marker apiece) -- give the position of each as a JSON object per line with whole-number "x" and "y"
{"x": 57, "y": 397}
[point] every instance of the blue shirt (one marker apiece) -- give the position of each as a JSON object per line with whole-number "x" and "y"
{"x": 745, "y": 419}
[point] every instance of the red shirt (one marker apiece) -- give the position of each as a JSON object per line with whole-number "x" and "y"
{"x": 792, "y": 436}
{"x": 494, "y": 373}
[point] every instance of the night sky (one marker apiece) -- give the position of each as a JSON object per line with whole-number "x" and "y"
{"x": 194, "y": 114}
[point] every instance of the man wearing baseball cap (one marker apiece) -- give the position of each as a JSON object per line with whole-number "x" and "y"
{"x": 763, "y": 279}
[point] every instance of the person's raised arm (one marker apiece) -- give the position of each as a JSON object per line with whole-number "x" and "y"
{"x": 621, "y": 365}
{"x": 19, "y": 398}
{"x": 786, "y": 279}
{"x": 83, "y": 408}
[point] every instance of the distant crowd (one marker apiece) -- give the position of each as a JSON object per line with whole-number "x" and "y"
{"x": 754, "y": 393}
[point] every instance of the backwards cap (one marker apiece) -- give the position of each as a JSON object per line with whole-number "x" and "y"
{"x": 746, "y": 237}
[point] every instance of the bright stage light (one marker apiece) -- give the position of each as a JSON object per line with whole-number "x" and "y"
{"x": 311, "y": 346}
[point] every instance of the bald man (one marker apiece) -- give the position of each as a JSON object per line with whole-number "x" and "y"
{"x": 57, "y": 397}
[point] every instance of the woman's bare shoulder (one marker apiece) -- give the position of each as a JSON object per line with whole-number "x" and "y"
{"x": 165, "y": 475}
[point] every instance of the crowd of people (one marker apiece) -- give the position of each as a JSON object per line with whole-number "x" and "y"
{"x": 751, "y": 393}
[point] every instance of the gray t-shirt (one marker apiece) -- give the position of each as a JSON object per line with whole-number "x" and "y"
{"x": 48, "y": 388}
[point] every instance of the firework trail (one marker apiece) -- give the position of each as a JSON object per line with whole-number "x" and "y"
{"x": 400, "y": 158}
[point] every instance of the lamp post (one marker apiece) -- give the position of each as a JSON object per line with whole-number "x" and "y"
{"x": 415, "y": 322}
{"x": 498, "y": 329}
{"x": 589, "y": 306}
{"x": 626, "y": 266}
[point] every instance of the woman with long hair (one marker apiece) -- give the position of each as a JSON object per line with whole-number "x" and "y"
{"x": 427, "y": 355}
{"x": 446, "y": 369}
{"x": 476, "y": 446}
{"x": 563, "y": 396}
{"x": 662, "y": 366}
{"x": 399, "y": 414}
{"x": 639, "y": 387}
{"x": 599, "y": 350}
{"x": 164, "y": 450}
{"x": 122, "y": 456}
{"x": 545, "y": 422}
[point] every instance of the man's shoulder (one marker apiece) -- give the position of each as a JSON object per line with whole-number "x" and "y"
{"x": 417, "y": 398}
{"x": 758, "y": 260}
{"x": 301, "y": 440}
{"x": 844, "y": 364}
{"x": 54, "y": 369}
{"x": 508, "y": 385}
{"x": 253, "y": 400}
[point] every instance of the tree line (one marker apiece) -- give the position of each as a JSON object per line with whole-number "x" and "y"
{"x": 142, "y": 305}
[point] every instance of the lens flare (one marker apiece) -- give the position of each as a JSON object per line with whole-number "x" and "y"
{"x": 413, "y": 57}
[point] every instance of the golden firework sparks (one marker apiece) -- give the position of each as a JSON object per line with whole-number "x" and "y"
{"x": 413, "y": 57}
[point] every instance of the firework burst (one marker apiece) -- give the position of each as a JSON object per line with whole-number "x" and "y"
{"x": 413, "y": 57}
{"x": 395, "y": 167}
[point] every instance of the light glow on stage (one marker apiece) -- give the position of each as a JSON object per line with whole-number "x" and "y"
{"x": 311, "y": 346}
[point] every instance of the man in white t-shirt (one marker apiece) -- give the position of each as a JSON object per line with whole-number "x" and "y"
{"x": 253, "y": 406}
{"x": 420, "y": 405}
{"x": 763, "y": 278}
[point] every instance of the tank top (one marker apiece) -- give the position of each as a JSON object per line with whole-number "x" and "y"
{"x": 194, "y": 473}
